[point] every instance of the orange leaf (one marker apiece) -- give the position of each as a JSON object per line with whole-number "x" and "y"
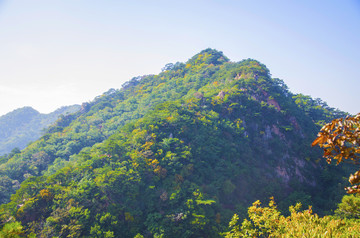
{"x": 317, "y": 140}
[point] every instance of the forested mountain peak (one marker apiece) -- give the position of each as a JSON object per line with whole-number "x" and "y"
{"x": 208, "y": 56}
{"x": 24, "y": 113}
{"x": 174, "y": 155}
{"x": 23, "y": 125}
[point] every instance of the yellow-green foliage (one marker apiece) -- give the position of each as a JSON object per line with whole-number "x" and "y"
{"x": 172, "y": 155}
{"x": 268, "y": 222}
{"x": 349, "y": 207}
{"x": 12, "y": 230}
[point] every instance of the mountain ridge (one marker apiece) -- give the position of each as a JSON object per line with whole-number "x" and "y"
{"x": 23, "y": 125}
{"x": 178, "y": 151}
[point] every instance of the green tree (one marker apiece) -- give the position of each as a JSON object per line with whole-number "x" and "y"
{"x": 349, "y": 207}
{"x": 12, "y": 230}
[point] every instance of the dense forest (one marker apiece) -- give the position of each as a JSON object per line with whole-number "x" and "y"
{"x": 24, "y": 125}
{"x": 185, "y": 153}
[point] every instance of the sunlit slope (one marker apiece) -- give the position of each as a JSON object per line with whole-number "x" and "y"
{"x": 189, "y": 146}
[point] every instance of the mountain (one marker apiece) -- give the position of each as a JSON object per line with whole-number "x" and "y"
{"x": 173, "y": 155}
{"x": 21, "y": 126}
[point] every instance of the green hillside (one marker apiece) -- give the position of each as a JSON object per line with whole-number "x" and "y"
{"x": 24, "y": 125}
{"x": 173, "y": 155}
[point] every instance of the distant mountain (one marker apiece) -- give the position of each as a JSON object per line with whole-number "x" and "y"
{"x": 173, "y": 155}
{"x": 21, "y": 126}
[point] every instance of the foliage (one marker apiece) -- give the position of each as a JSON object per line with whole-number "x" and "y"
{"x": 317, "y": 109}
{"x": 13, "y": 230}
{"x": 349, "y": 207}
{"x": 24, "y": 125}
{"x": 340, "y": 140}
{"x": 170, "y": 155}
{"x": 268, "y": 222}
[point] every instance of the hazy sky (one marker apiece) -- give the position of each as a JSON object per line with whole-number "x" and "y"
{"x": 63, "y": 52}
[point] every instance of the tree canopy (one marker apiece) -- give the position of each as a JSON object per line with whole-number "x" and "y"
{"x": 269, "y": 222}
{"x": 171, "y": 155}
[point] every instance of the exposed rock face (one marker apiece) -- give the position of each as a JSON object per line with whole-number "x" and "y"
{"x": 221, "y": 95}
{"x": 276, "y": 131}
{"x": 282, "y": 172}
{"x": 84, "y": 107}
{"x": 198, "y": 95}
{"x": 267, "y": 134}
{"x": 274, "y": 103}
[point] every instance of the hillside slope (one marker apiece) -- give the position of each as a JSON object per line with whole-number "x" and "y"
{"x": 21, "y": 126}
{"x": 174, "y": 154}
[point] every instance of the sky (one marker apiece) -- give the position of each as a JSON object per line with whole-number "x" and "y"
{"x": 64, "y": 52}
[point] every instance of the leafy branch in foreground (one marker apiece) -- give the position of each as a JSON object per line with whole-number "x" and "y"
{"x": 269, "y": 222}
{"x": 340, "y": 140}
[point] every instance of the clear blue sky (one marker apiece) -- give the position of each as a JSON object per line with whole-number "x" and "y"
{"x": 62, "y": 52}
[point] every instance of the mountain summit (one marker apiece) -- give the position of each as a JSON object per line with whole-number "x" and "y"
{"x": 173, "y": 155}
{"x": 208, "y": 56}
{"x": 23, "y": 125}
